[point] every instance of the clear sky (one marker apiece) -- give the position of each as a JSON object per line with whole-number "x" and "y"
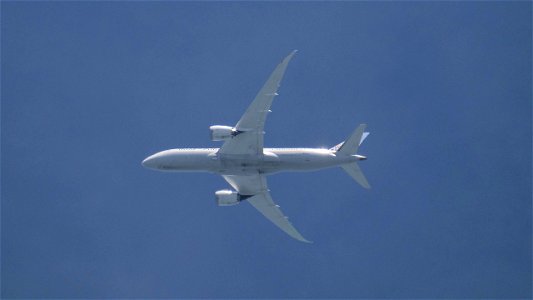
{"x": 90, "y": 89}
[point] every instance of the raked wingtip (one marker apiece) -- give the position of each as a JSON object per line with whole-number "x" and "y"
{"x": 290, "y": 55}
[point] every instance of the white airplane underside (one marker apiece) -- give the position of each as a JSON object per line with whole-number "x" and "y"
{"x": 244, "y": 163}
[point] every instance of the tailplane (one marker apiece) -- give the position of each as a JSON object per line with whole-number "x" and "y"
{"x": 355, "y": 172}
{"x": 349, "y": 148}
{"x": 351, "y": 145}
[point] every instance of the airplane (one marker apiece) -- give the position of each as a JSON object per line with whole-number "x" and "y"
{"x": 244, "y": 162}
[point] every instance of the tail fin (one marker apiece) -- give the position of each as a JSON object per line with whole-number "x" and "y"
{"x": 350, "y": 147}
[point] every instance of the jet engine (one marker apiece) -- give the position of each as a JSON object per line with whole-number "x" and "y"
{"x": 227, "y": 198}
{"x": 222, "y": 133}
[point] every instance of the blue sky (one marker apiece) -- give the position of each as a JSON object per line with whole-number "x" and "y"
{"x": 90, "y": 89}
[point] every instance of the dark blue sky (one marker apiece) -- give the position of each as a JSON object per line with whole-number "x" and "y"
{"x": 90, "y": 89}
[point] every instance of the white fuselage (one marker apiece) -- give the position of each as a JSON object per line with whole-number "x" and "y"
{"x": 273, "y": 160}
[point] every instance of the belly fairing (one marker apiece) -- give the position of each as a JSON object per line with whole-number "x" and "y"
{"x": 247, "y": 164}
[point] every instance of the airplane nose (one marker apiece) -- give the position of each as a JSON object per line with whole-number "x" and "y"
{"x": 149, "y": 162}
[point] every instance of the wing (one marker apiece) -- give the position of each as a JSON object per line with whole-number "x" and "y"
{"x": 256, "y": 187}
{"x": 249, "y": 139}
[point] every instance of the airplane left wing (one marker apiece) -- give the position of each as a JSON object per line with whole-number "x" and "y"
{"x": 249, "y": 139}
{"x": 256, "y": 187}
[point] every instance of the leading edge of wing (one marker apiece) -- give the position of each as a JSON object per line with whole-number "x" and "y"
{"x": 255, "y": 115}
{"x": 251, "y": 124}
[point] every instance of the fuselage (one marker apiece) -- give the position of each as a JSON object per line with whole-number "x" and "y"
{"x": 271, "y": 161}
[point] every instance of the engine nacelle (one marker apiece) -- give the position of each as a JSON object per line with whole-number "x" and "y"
{"x": 222, "y": 133}
{"x": 227, "y": 198}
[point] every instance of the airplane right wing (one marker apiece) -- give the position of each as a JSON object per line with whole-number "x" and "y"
{"x": 262, "y": 201}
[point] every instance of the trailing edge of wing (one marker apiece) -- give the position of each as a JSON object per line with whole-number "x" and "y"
{"x": 265, "y": 205}
{"x": 261, "y": 200}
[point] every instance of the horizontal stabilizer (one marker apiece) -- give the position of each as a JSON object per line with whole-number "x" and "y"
{"x": 355, "y": 172}
{"x": 351, "y": 145}
{"x": 365, "y": 134}
{"x": 339, "y": 145}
